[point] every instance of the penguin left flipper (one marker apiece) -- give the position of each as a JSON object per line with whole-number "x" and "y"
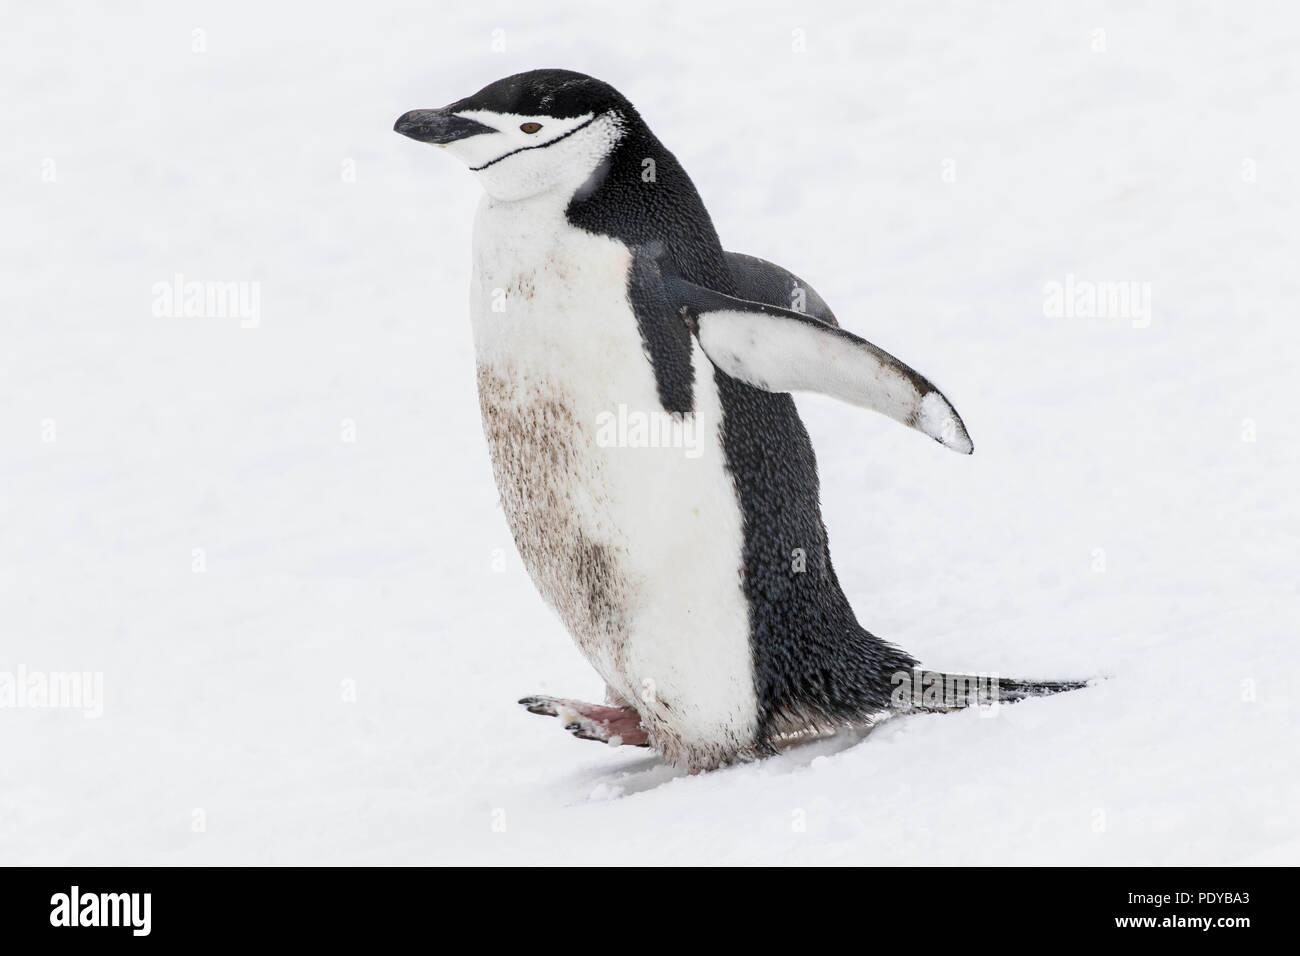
{"x": 782, "y": 350}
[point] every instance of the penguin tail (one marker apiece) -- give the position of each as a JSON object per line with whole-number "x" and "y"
{"x": 927, "y": 691}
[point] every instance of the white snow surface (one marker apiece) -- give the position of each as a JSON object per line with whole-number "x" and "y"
{"x": 1130, "y": 509}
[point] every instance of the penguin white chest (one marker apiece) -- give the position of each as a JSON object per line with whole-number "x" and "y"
{"x": 625, "y": 516}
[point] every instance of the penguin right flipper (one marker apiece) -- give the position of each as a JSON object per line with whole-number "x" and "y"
{"x": 764, "y": 281}
{"x": 783, "y": 350}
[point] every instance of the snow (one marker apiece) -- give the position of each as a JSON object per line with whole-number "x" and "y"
{"x": 336, "y": 683}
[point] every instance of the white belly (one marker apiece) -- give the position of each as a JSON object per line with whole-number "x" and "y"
{"x": 637, "y": 548}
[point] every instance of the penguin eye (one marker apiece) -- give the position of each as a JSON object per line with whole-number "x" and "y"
{"x": 530, "y": 127}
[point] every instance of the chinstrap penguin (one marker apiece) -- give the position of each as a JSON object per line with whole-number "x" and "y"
{"x": 698, "y": 585}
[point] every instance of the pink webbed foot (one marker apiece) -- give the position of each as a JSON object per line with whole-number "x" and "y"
{"x": 616, "y": 726}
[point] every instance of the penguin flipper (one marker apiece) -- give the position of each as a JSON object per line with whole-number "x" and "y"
{"x": 781, "y": 350}
{"x": 763, "y": 281}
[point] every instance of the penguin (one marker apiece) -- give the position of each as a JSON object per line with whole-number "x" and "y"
{"x": 686, "y": 553}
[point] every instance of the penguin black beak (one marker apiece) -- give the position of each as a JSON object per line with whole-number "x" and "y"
{"x": 439, "y": 127}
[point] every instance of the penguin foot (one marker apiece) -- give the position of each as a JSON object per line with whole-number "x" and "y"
{"x": 616, "y": 726}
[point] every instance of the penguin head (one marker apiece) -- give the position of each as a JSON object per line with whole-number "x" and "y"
{"x": 531, "y": 133}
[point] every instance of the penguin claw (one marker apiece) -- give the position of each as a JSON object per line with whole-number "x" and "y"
{"x": 546, "y": 706}
{"x": 588, "y": 730}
